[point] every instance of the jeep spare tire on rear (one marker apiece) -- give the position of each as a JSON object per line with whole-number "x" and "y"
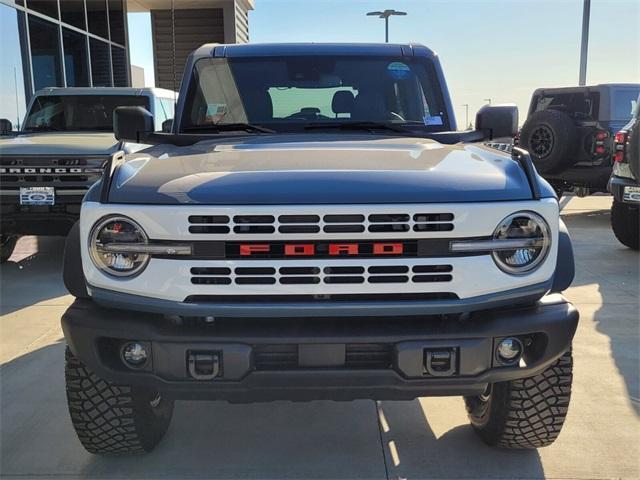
{"x": 549, "y": 136}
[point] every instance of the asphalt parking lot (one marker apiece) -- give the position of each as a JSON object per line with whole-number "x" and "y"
{"x": 426, "y": 438}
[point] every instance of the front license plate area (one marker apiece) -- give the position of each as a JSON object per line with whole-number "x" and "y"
{"x": 37, "y": 196}
{"x": 631, "y": 194}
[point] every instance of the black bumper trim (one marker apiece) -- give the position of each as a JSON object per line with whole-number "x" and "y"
{"x": 552, "y": 322}
{"x": 616, "y": 187}
{"x": 368, "y": 308}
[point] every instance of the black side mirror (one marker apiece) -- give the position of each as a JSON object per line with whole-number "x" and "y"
{"x": 134, "y": 124}
{"x": 167, "y": 125}
{"x": 5, "y": 126}
{"x": 497, "y": 121}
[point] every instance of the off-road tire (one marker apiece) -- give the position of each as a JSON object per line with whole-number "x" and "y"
{"x": 525, "y": 413}
{"x": 113, "y": 419}
{"x": 625, "y": 221}
{"x": 562, "y": 145}
{"x": 7, "y": 245}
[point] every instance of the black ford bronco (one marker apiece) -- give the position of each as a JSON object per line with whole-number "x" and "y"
{"x": 569, "y": 133}
{"x": 314, "y": 227}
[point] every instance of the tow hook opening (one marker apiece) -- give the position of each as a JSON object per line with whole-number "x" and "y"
{"x": 204, "y": 365}
{"x": 441, "y": 362}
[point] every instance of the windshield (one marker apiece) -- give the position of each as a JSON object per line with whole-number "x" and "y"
{"x": 289, "y": 93}
{"x": 78, "y": 112}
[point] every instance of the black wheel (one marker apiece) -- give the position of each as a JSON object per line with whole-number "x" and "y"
{"x": 550, "y": 138}
{"x": 72, "y": 274}
{"x": 625, "y": 220}
{"x": 113, "y": 419}
{"x": 524, "y": 413}
{"x": 7, "y": 244}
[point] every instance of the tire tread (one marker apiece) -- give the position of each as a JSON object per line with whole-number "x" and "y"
{"x": 527, "y": 413}
{"x": 106, "y": 416}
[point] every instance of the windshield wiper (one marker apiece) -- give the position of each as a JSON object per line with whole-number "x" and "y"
{"x": 228, "y": 127}
{"x": 355, "y": 126}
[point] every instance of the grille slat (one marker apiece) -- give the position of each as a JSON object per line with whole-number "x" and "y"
{"x": 372, "y": 356}
{"x": 311, "y": 275}
{"x": 292, "y": 224}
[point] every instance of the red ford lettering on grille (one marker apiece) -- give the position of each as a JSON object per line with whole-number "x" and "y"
{"x": 248, "y": 250}
{"x": 344, "y": 249}
{"x": 388, "y": 249}
{"x": 299, "y": 250}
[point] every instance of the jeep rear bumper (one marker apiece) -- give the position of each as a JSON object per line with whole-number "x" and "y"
{"x": 617, "y": 188}
{"x": 321, "y": 358}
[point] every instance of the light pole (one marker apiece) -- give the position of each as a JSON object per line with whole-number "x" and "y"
{"x": 466, "y": 109}
{"x": 586, "y": 13}
{"x": 386, "y": 14}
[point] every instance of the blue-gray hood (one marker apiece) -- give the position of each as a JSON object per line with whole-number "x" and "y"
{"x": 319, "y": 169}
{"x": 60, "y": 143}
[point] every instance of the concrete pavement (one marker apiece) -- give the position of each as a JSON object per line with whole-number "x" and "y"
{"x": 426, "y": 438}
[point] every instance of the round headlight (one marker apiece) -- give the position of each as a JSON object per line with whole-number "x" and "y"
{"x": 112, "y": 246}
{"x": 531, "y": 228}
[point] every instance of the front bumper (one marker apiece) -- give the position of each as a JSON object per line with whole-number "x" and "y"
{"x": 321, "y": 358}
{"x": 617, "y": 188}
{"x": 54, "y": 220}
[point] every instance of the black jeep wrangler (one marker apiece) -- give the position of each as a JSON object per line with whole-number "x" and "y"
{"x": 569, "y": 133}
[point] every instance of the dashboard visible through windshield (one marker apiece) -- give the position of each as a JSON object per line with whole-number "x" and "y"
{"x": 292, "y": 93}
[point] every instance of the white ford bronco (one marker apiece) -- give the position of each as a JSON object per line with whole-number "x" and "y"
{"x": 314, "y": 227}
{"x": 49, "y": 164}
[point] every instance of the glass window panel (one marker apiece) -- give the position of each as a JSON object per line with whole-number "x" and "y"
{"x": 75, "y": 58}
{"x": 120, "y": 74}
{"x": 116, "y": 21}
{"x": 45, "y": 53}
{"x": 100, "y": 63}
{"x": 79, "y": 112}
{"x": 72, "y": 12}
{"x": 14, "y": 72}
{"x": 97, "y": 17}
{"x": 48, "y": 7}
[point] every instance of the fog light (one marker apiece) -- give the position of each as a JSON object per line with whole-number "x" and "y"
{"x": 134, "y": 354}
{"x": 509, "y": 349}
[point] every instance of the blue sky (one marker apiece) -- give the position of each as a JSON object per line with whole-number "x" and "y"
{"x": 498, "y": 49}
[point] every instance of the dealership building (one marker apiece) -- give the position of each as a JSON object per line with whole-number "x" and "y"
{"x": 84, "y": 43}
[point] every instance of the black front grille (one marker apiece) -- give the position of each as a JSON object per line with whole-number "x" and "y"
{"x": 49, "y": 170}
{"x": 275, "y": 357}
{"x": 377, "y": 356}
{"x": 358, "y": 356}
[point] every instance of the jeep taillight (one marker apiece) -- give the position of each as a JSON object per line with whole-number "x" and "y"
{"x": 600, "y": 138}
{"x": 619, "y": 146}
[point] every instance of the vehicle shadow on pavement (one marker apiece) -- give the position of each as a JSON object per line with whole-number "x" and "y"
{"x": 205, "y": 440}
{"x": 607, "y": 290}
{"x": 331, "y": 440}
{"x": 413, "y": 450}
{"x": 33, "y": 274}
